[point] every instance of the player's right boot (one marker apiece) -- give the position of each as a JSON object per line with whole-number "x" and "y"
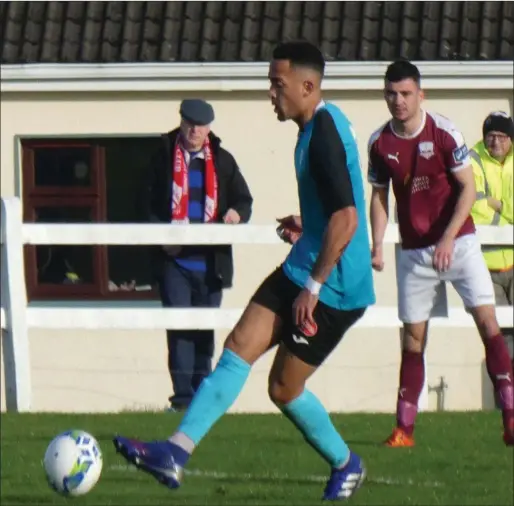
{"x": 343, "y": 483}
{"x": 508, "y": 434}
{"x": 155, "y": 458}
{"x": 399, "y": 439}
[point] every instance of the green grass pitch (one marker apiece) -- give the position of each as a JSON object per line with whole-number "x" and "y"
{"x": 459, "y": 459}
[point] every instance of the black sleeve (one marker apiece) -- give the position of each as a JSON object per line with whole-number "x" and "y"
{"x": 328, "y": 164}
{"x": 239, "y": 197}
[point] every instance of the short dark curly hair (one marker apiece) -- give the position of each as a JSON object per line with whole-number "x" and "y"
{"x": 301, "y": 54}
{"x": 402, "y": 69}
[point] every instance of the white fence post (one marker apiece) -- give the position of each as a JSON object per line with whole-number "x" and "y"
{"x": 15, "y": 339}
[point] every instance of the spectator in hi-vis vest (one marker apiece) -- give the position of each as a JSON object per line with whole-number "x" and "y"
{"x": 492, "y": 160}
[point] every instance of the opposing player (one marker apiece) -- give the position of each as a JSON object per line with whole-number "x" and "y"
{"x": 426, "y": 159}
{"x": 307, "y": 304}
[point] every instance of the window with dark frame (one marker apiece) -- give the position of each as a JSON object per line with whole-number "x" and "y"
{"x": 86, "y": 181}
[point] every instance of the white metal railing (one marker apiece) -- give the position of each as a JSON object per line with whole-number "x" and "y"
{"x": 17, "y": 317}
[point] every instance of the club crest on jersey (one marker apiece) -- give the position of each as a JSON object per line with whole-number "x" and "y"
{"x": 426, "y": 150}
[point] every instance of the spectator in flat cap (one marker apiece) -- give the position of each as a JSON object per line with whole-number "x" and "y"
{"x": 193, "y": 179}
{"x": 492, "y": 160}
{"x": 197, "y": 112}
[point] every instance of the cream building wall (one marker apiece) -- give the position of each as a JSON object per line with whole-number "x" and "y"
{"x": 127, "y": 370}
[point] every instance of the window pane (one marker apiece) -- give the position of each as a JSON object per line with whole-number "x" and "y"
{"x": 129, "y": 269}
{"x": 127, "y": 162}
{"x": 62, "y": 166}
{"x": 64, "y": 264}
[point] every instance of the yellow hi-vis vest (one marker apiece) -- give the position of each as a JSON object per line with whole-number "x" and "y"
{"x": 493, "y": 180}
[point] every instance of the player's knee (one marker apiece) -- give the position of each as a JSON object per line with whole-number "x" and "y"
{"x": 236, "y": 341}
{"x": 413, "y": 346}
{"x": 240, "y": 342}
{"x": 253, "y": 334}
{"x": 414, "y": 337}
{"x": 281, "y": 393}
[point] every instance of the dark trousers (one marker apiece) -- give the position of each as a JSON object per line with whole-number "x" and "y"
{"x": 190, "y": 352}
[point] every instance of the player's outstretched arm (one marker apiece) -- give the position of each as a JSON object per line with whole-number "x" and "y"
{"x": 379, "y": 216}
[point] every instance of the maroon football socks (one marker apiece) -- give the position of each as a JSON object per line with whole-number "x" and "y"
{"x": 412, "y": 377}
{"x": 499, "y": 367}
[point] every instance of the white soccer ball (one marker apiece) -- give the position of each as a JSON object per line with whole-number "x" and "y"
{"x": 73, "y": 463}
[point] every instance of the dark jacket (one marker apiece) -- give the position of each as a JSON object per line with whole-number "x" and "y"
{"x": 233, "y": 193}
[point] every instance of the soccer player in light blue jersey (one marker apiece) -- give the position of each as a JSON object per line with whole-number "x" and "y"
{"x": 306, "y": 305}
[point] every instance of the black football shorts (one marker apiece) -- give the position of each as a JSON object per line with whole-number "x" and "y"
{"x": 311, "y": 345}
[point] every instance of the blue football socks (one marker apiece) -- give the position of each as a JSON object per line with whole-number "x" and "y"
{"x": 219, "y": 391}
{"x": 313, "y": 421}
{"x": 215, "y": 396}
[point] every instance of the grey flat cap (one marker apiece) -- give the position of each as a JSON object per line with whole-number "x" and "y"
{"x": 197, "y": 111}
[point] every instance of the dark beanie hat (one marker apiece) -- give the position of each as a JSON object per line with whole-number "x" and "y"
{"x": 498, "y": 122}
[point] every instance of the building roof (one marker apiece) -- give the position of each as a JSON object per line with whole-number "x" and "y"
{"x": 121, "y": 32}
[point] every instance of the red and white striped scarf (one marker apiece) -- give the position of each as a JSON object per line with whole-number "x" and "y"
{"x": 180, "y": 193}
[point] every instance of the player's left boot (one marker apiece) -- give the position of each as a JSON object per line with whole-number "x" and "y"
{"x": 343, "y": 483}
{"x": 155, "y": 458}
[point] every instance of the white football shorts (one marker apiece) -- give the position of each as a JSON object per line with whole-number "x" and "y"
{"x": 421, "y": 287}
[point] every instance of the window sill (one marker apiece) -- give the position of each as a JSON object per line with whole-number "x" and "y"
{"x": 95, "y": 303}
{"x": 87, "y": 293}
